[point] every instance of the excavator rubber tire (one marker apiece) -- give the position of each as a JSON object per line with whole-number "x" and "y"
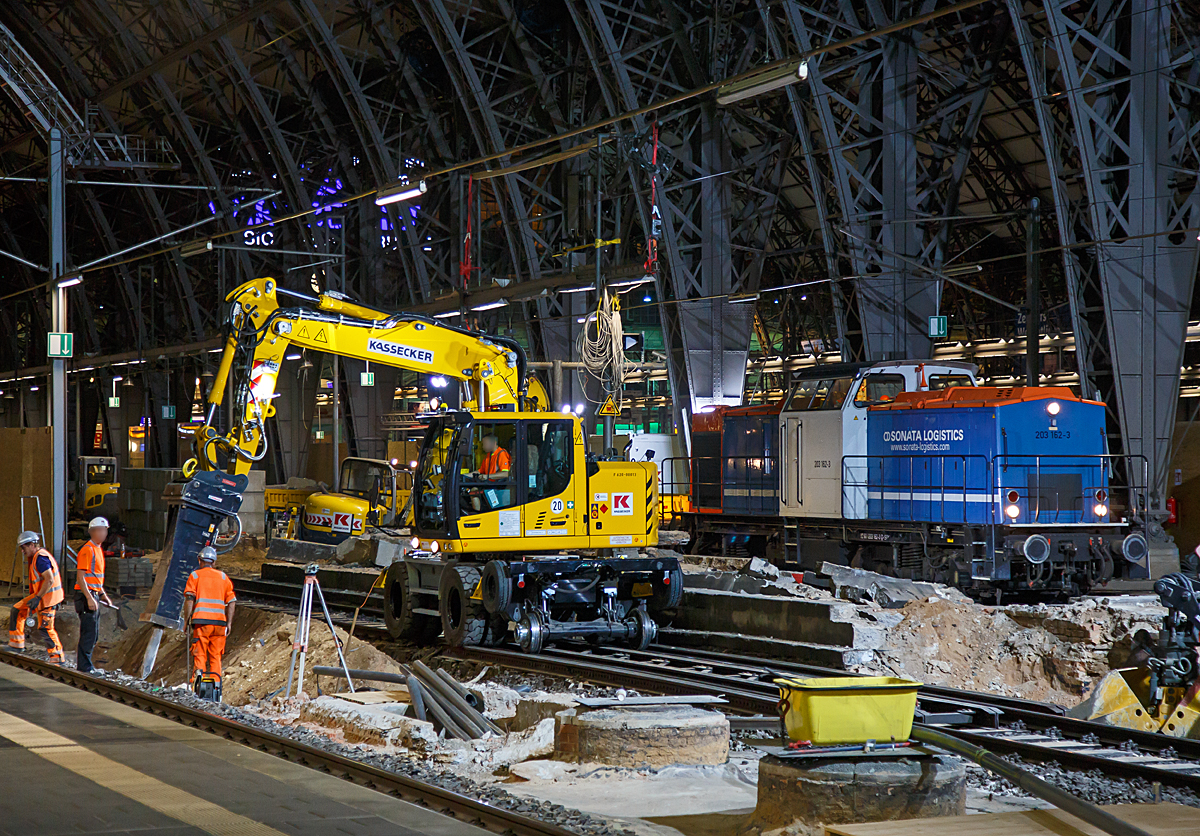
{"x": 667, "y": 597}
{"x": 464, "y": 622}
{"x": 497, "y": 587}
{"x": 398, "y": 603}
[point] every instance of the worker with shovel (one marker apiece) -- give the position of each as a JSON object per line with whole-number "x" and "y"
{"x": 208, "y": 613}
{"x": 45, "y": 594}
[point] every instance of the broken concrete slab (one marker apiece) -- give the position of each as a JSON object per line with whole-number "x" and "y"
{"x": 381, "y": 725}
{"x": 828, "y": 656}
{"x": 537, "y": 706}
{"x": 298, "y": 551}
{"x": 829, "y": 622}
{"x": 497, "y": 702}
{"x": 860, "y": 585}
{"x": 495, "y": 752}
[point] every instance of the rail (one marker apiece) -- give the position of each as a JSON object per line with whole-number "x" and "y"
{"x": 438, "y": 799}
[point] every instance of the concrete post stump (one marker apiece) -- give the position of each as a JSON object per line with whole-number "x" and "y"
{"x": 801, "y": 796}
{"x": 642, "y": 737}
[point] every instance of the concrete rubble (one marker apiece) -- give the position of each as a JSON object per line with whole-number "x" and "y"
{"x": 870, "y": 623}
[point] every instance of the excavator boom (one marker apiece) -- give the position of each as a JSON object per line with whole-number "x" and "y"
{"x": 261, "y": 330}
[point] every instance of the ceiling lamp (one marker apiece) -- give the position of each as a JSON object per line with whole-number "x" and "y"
{"x": 399, "y": 192}
{"x": 760, "y": 83}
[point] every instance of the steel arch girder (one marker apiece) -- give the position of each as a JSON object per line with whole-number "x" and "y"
{"x": 1130, "y": 127}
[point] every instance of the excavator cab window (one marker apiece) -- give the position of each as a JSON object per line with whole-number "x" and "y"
{"x": 433, "y": 476}
{"x": 550, "y": 457}
{"x": 487, "y": 467}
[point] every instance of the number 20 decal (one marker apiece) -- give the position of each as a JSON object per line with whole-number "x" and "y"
{"x": 556, "y": 506}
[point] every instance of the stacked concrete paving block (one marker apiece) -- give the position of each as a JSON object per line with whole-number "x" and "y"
{"x": 254, "y": 507}
{"x": 144, "y": 511}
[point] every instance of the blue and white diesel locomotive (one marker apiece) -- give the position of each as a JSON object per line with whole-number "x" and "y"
{"x": 913, "y": 469}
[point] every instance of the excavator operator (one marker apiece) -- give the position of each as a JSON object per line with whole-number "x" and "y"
{"x": 496, "y": 464}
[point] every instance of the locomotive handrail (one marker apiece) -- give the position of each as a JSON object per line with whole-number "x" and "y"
{"x": 941, "y": 487}
{"x": 759, "y": 482}
{"x": 1042, "y": 465}
{"x": 1136, "y": 491}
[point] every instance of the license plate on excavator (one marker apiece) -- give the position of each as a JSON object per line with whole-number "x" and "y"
{"x": 642, "y": 590}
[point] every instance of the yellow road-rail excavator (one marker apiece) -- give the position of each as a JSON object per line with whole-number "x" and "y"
{"x": 517, "y": 530}
{"x": 1160, "y": 691}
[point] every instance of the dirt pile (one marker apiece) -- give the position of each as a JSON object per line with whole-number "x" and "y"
{"x": 1052, "y": 654}
{"x": 258, "y": 654}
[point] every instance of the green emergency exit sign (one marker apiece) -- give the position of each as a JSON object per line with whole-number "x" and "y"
{"x": 60, "y": 346}
{"x": 939, "y": 327}
{"x": 366, "y": 378}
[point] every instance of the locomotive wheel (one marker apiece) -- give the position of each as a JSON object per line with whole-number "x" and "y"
{"x": 531, "y": 632}
{"x": 645, "y": 629}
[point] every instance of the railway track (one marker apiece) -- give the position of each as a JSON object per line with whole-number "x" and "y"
{"x": 1035, "y": 731}
{"x": 431, "y": 796}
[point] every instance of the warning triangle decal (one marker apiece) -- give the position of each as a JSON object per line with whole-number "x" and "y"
{"x": 302, "y": 334}
{"x": 320, "y": 337}
{"x": 609, "y": 407}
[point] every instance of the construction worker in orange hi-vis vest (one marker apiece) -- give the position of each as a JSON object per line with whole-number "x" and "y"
{"x": 89, "y": 590}
{"x": 45, "y": 594}
{"x": 208, "y": 603}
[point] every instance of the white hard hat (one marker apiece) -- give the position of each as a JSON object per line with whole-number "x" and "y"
{"x": 27, "y": 537}
{"x": 98, "y": 522}
{"x": 208, "y": 554}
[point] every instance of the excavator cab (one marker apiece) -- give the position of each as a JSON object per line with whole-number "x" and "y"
{"x": 370, "y": 493}
{"x": 96, "y": 487}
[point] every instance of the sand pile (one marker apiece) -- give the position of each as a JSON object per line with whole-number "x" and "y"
{"x": 257, "y": 655}
{"x": 1052, "y": 654}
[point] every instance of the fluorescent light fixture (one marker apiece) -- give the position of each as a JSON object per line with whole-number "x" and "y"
{"x": 583, "y": 288}
{"x": 962, "y": 269}
{"x": 71, "y": 280}
{"x": 445, "y": 314}
{"x": 743, "y": 299}
{"x": 293, "y": 356}
{"x": 632, "y": 282}
{"x": 399, "y": 192}
{"x": 763, "y": 82}
{"x": 34, "y": 388}
{"x": 192, "y": 248}
{"x": 490, "y": 306}
{"x": 117, "y": 377}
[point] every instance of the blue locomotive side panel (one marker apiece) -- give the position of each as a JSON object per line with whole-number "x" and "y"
{"x": 750, "y": 472}
{"x": 1019, "y": 462}
{"x": 930, "y": 465}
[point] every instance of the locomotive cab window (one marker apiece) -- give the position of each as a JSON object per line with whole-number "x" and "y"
{"x": 835, "y": 394}
{"x": 945, "y": 381}
{"x": 879, "y": 389}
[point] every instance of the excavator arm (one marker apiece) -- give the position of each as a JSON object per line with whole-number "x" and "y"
{"x": 261, "y": 330}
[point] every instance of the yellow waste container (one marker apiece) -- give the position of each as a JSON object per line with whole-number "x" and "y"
{"x": 848, "y": 709}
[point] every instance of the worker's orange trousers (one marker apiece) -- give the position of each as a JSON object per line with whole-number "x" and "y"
{"x": 45, "y": 629}
{"x": 208, "y": 646}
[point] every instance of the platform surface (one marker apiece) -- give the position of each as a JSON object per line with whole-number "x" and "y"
{"x": 1156, "y": 819}
{"x": 81, "y": 764}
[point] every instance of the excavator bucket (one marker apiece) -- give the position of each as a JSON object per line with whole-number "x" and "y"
{"x": 1122, "y": 699}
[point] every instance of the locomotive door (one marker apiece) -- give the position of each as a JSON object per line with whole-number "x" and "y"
{"x": 791, "y": 475}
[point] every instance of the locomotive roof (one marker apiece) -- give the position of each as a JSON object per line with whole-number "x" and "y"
{"x": 966, "y": 397}
{"x": 830, "y": 371}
